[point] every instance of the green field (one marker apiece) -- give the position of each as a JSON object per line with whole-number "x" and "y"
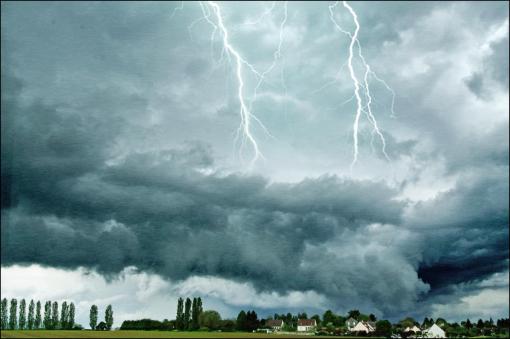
{"x": 141, "y": 334}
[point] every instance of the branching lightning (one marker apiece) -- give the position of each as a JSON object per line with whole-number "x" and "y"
{"x": 360, "y": 108}
{"x": 240, "y": 64}
{"x": 212, "y": 14}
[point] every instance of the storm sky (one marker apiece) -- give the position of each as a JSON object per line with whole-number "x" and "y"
{"x": 122, "y": 181}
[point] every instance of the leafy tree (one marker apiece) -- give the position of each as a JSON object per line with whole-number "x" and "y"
{"x": 187, "y": 313}
{"x": 317, "y": 319}
{"x": 179, "y": 319}
{"x": 22, "y": 319}
{"x": 372, "y": 317}
{"x": 64, "y": 315}
{"x": 479, "y": 324}
{"x": 47, "y": 315}
{"x": 54, "y": 315}
{"x": 383, "y": 328}
{"x": 12, "y": 314}
{"x": 441, "y": 322}
{"x": 252, "y": 322}
{"x": 241, "y": 321}
{"x": 108, "y": 317}
{"x": 70, "y": 321}
{"x": 302, "y": 315}
{"x": 408, "y": 322}
{"x": 228, "y": 325}
{"x": 354, "y": 314}
{"x": 37, "y": 322}
{"x": 328, "y": 317}
{"x": 31, "y": 308}
{"x": 210, "y": 319}
{"x": 93, "y": 317}
{"x": 3, "y": 314}
{"x": 468, "y": 324}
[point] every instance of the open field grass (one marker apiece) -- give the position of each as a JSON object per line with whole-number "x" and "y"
{"x": 142, "y": 334}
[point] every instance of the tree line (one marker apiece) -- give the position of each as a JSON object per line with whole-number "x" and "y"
{"x": 52, "y": 319}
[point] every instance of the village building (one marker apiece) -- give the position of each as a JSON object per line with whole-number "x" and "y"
{"x": 363, "y": 326}
{"x": 275, "y": 324}
{"x": 413, "y": 329}
{"x": 434, "y": 332}
{"x": 306, "y": 325}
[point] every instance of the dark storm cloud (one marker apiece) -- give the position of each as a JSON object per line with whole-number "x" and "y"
{"x": 86, "y": 180}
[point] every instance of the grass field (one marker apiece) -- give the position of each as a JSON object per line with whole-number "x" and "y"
{"x": 142, "y": 334}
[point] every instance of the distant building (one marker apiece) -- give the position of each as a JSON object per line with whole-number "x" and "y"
{"x": 276, "y": 324}
{"x": 350, "y": 323}
{"x": 434, "y": 332}
{"x": 306, "y": 325}
{"x": 363, "y": 326}
{"x": 413, "y": 329}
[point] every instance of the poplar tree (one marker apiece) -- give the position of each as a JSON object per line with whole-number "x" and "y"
{"x": 47, "y": 315}
{"x": 22, "y": 319}
{"x": 37, "y": 323}
{"x": 3, "y": 314}
{"x": 93, "y": 317}
{"x": 12, "y": 314}
{"x": 31, "y": 308}
{"x": 108, "y": 317}
{"x": 54, "y": 316}
{"x": 63, "y": 316}
{"x": 179, "y": 319}
{"x": 71, "y": 316}
{"x": 187, "y": 313}
{"x": 194, "y": 315}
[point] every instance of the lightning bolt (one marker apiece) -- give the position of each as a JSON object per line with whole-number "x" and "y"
{"x": 360, "y": 108}
{"x": 213, "y": 9}
{"x": 245, "y": 113}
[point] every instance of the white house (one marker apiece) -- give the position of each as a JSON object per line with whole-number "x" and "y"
{"x": 413, "y": 329}
{"x": 306, "y": 325}
{"x": 363, "y": 326}
{"x": 434, "y": 332}
{"x": 276, "y": 324}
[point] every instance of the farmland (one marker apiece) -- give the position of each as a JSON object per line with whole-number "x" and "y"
{"x": 138, "y": 334}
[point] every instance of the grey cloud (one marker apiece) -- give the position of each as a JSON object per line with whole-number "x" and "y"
{"x": 99, "y": 99}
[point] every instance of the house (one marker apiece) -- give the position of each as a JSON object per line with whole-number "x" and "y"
{"x": 363, "y": 326}
{"x": 351, "y": 322}
{"x": 306, "y": 325}
{"x": 413, "y": 329}
{"x": 276, "y": 324}
{"x": 434, "y": 332}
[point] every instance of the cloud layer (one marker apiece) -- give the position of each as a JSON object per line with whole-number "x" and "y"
{"x": 117, "y": 152}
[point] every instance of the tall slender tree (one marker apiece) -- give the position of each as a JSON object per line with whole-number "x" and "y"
{"x": 71, "y": 316}
{"x": 199, "y": 306}
{"x": 63, "y": 316}
{"x": 13, "y": 323}
{"x": 187, "y": 313}
{"x": 47, "y": 315}
{"x": 3, "y": 314}
{"x": 179, "y": 319}
{"x": 37, "y": 323}
{"x": 93, "y": 317}
{"x": 108, "y": 317}
{"x": 30, "y": 322}
{"x": 22, "y": 319}
{"x": 54, "y": 316}
{"x": 194, "y": 315}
